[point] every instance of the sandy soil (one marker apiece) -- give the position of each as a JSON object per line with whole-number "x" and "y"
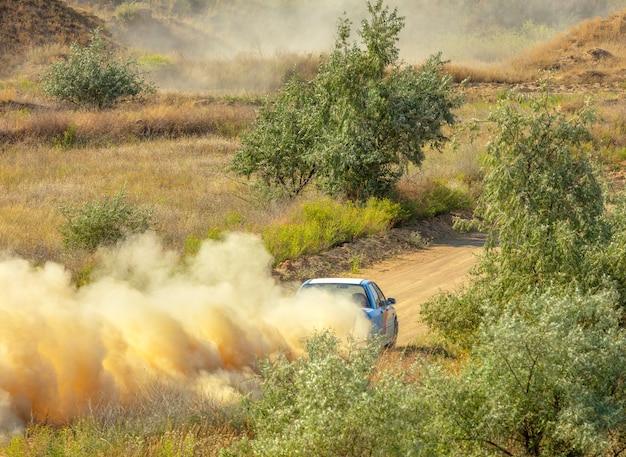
{"x": 414, "y": 277}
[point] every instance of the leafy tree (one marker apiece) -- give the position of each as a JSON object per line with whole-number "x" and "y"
{"x": 356, "y": 126}
{"x": 545, "y": 379}
{"x": 543, "y": 210}
{"x": 542, "y": 322}
{"x": 277, "y": 149}
{"x": 541, "y": 200}
{"x": 93, "y": 77}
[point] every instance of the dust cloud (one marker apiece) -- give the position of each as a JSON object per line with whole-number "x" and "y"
{"x": 147, "y": 316}
{"x": 265, "y": 28}
{"x": 253, "y": 46}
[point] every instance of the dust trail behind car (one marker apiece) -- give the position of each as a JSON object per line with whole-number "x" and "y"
{"x": 146, "y": 316}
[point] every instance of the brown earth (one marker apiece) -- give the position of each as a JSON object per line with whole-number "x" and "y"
{"x": 408, "y": 271}
{"x": 25, "y": 24}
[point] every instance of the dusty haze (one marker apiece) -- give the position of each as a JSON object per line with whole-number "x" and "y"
{"x": 305, "y": 26}
{"x": 144, "y": 319}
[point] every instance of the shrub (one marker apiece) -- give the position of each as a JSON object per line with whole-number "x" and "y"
{"x": 545, "y": 379}
{"x": 326, "y": 404}
{"x": 102, "y": 222}
{"x": 155, "y": 62}
{"x": 93, "y": 77}
{"x": 67, "y": 139}
{"x": 277, "y": 148}
{"x": 438, "y": 198}
{"x": 543, "y": 210}
{"x": 127, "y": 12}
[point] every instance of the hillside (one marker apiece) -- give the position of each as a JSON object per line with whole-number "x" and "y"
{"x": 591, "y": 52}
{"x": 25, "y": 24}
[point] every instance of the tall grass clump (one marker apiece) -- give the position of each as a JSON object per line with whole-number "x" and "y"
{"x": 127, "y": 12}
{"x": 167, "y": 116}
{"x": 320, "y": 225}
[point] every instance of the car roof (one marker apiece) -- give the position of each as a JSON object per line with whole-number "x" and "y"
{"x": 354, "y": 281}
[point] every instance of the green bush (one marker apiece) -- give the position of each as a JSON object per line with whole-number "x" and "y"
{"x": 155, "y": 62}
{"x": 277, "y": 148}
{"x": 102, "y": 222}
{"x": 438, "y": 198}
{"x": 93, "y": 77}
{"x": 127, "y": 12}
{"x": 326, "y": 404}
{"x": 545, "y": 379}
{"x": 543, "y": 211}
{"x": 324, "y": 224}
{"x": 67, "y": 139}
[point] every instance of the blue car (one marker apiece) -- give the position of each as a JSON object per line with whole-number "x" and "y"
{"x": 366, "y": 294}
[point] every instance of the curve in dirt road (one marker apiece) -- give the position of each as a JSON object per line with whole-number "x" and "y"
{"x": 415, "y": 277}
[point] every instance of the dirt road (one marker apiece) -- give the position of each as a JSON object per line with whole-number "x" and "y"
{"x": 415, "y": 277}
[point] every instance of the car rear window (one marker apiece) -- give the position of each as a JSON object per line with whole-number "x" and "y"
{"x": 342, "y": 290}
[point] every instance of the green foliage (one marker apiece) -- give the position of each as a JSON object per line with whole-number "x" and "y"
{"x": 277, "y": 148}
{"x": 376, "y": 124}
{"x": 232, "y": 221}
{"x": 92, "y": 77}
{"x": 356, "y": 126}
{"x": 610, "y": 260}
{"x": 192, "y": 244}
{"x": 102, "y": 222}
{"x": 545, "y": 379}
{"x": 325, "y": 404}
{"x": 127, "y": 12}
{"x": 83, "y": 438}
{"x": 542, "y": 321}
{"x": 155, "y": 62}
{"x": 541, "y": 198}
{"x": 324, "y": 224}
{"x": 543, "y": 210}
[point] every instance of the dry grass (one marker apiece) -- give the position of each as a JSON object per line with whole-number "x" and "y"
{"x": 56, "y": 157}
{"x": 167, "y": 116}
{"x": 594, "y": 52}
{"x": 180, "y": 169}
{"x": 186, "y": 183}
